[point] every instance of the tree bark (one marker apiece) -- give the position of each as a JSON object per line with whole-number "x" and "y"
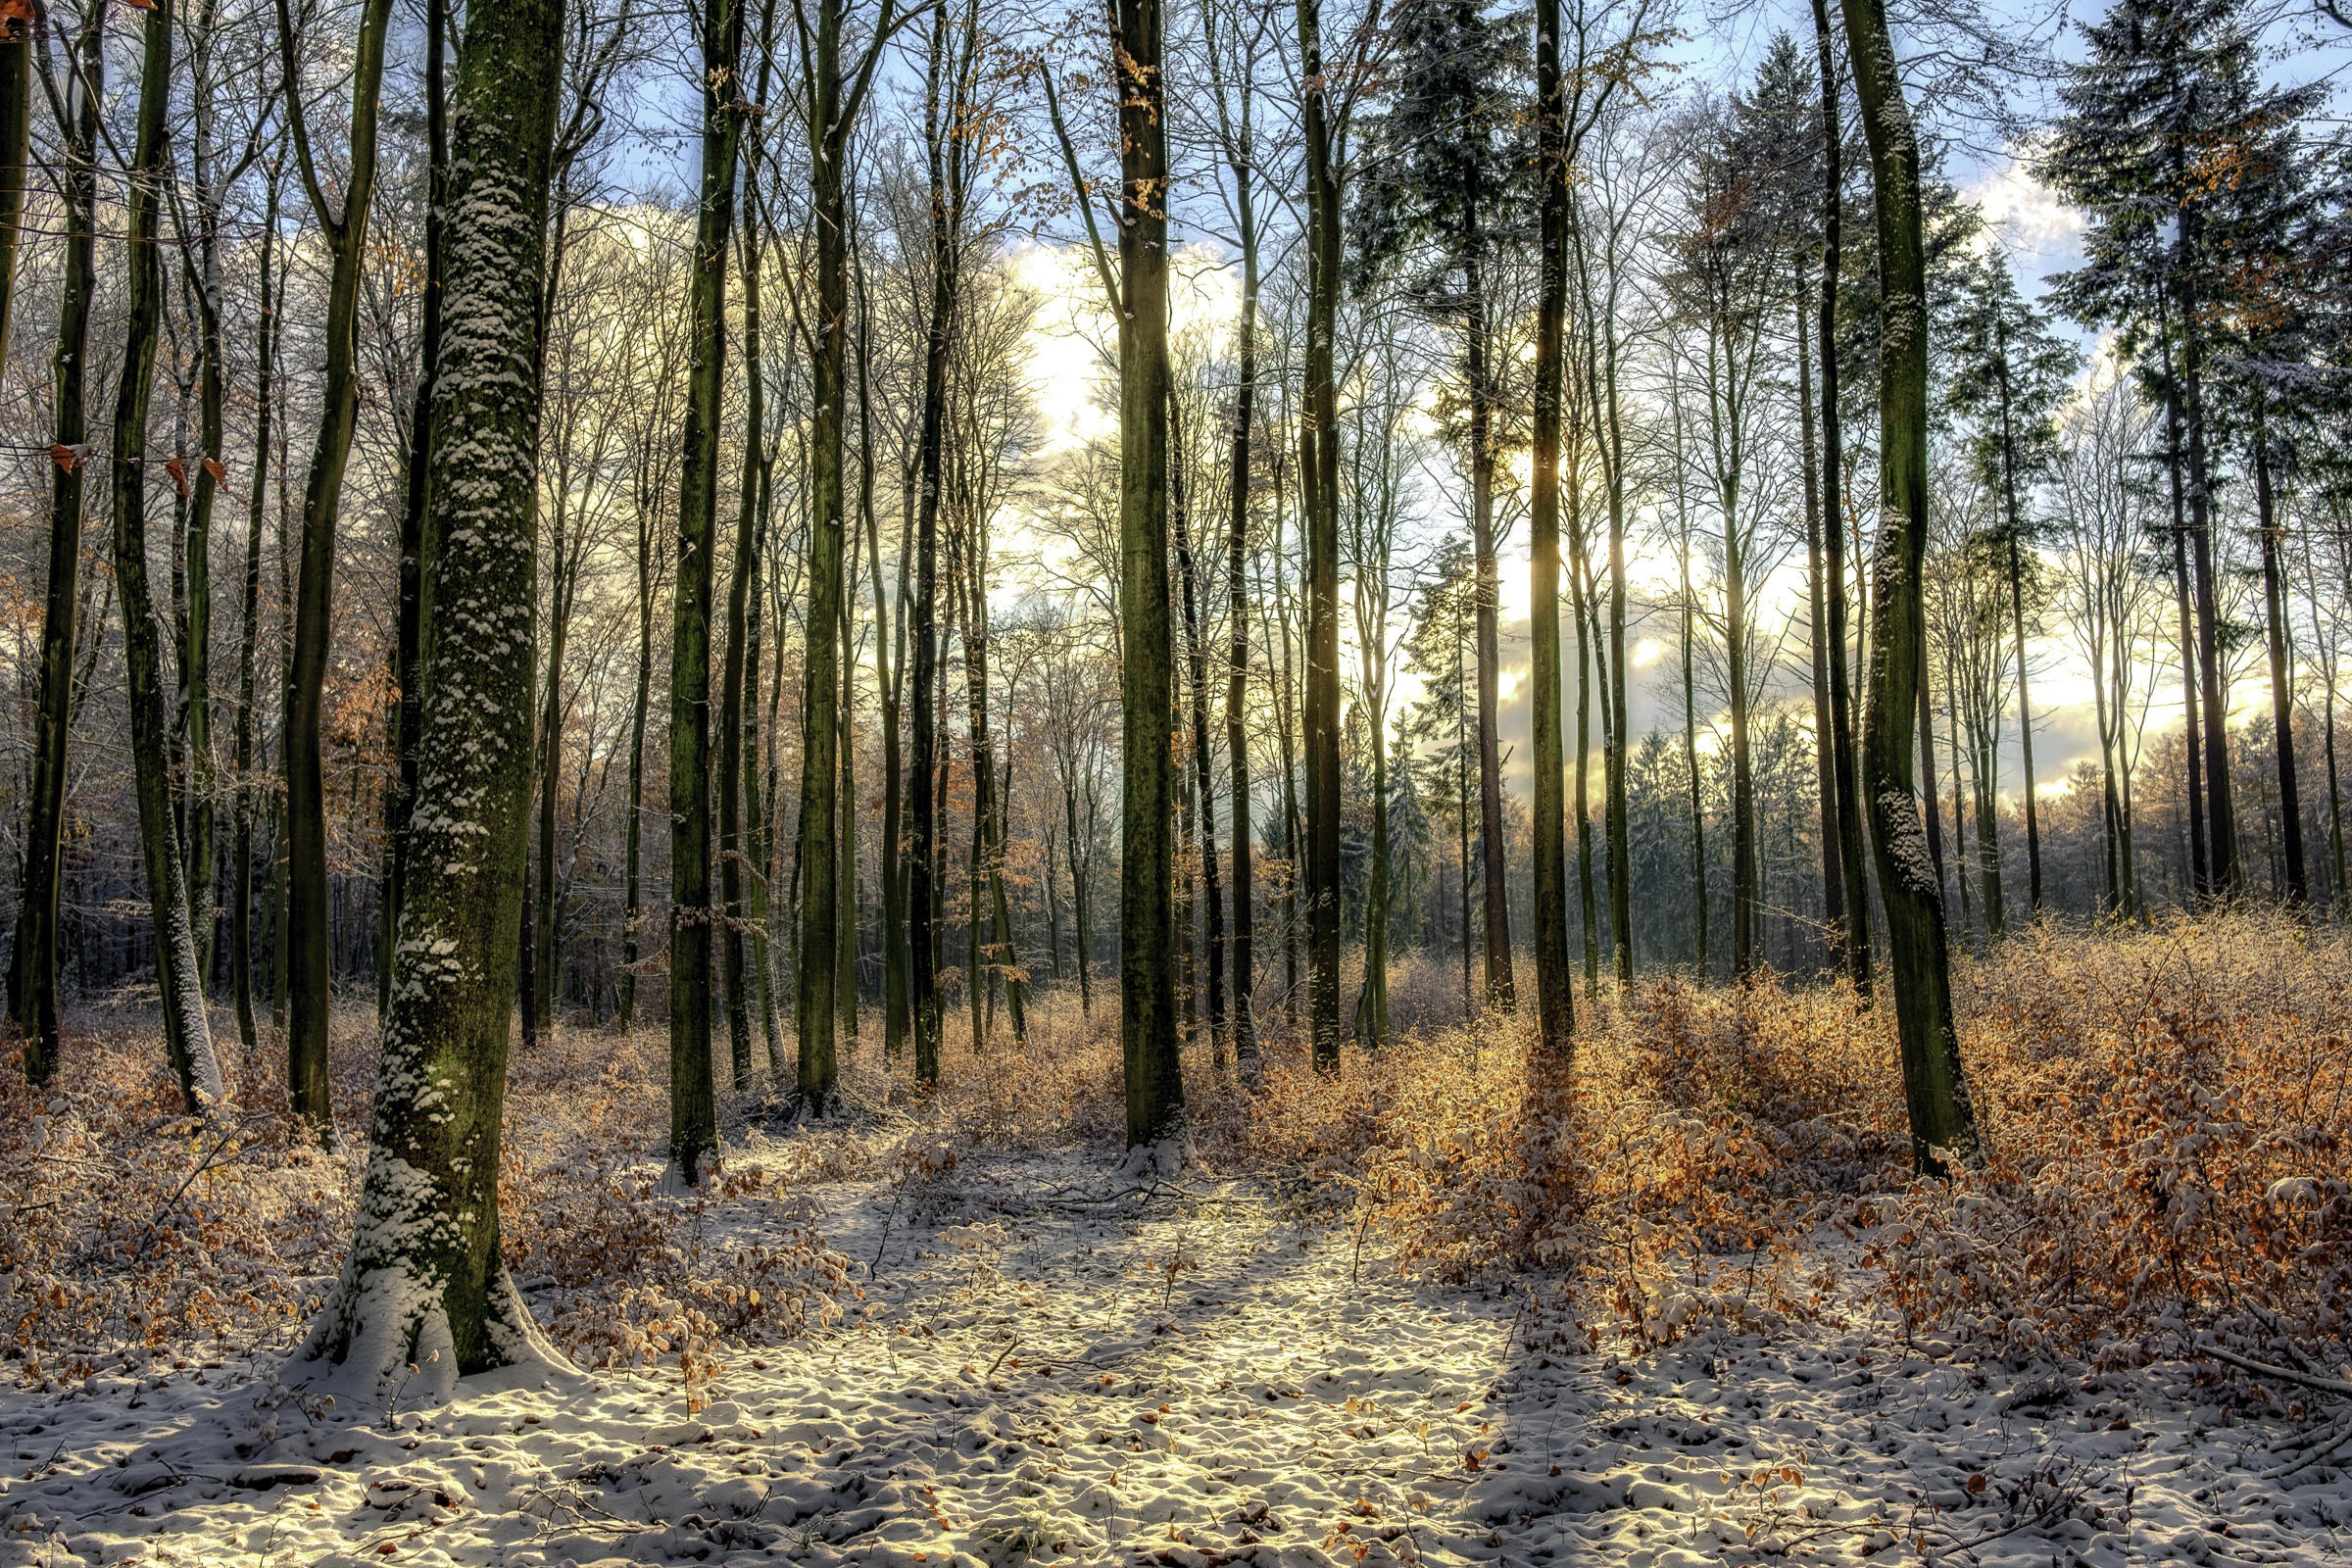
{"x": 266, "y": 334}
{"x": 310, "y": 914}
{"x": 1555, "y": 992}
{"x": 1148, "y": 934}
{"x": 732, "y": 707}
{"x": 1944, "y": 1126}
{"x": 2282, "y": 697}
{"x": 33, "y": 964}
{"x": 425, "y": 1284}
{"x": 693, "y": 1113}
{"x": 1320, "y": 491}
{"x": 1855, "y": 935}
{"x": 407, "y": 669}
{"x": 187, "y": 1036}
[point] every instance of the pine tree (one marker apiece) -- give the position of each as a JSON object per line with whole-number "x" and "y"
{"x": 2155, "y": 116}
{"x": 1447, "y": 195}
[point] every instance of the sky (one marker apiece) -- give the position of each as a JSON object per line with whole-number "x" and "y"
{"x": 2041, "y": 233}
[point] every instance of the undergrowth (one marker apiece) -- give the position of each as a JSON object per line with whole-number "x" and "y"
{"x": 2164, "y": 1113}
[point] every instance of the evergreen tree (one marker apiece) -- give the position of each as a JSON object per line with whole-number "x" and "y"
{"x": 1446, "y": 196}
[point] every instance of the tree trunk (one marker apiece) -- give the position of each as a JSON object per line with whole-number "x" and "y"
{"x": 1237, "y": 546}
{"x": 2016, "y": 621}
{"x": 407, "y": 669}
{"x": 1555, "y": 992}
{"x": 887, "y": 669}
{"x": 2220, "y": 826}
{"x": 309, "y": 915}
{"x": 632, "y": 896}
{"x": 1148, "y": 938}
{"x": 1943, "y": 1127}
{"x": 187, "y": 1036}
{"x": 266, "y": 334}
{"x": 1320, "y": 491}
{"x": 32, "y": 965}
{"x": 732, "y": 705}
{"x": 1825, "y": 774}
{"x": 1855, "y": 933}
{"x": 2282, "y": 697}
{"x": 1500, "y": 988}
{"x": 425, "y": 1284}
{"x": 1203, "y": 768}
{"x": 693, "y": 1113}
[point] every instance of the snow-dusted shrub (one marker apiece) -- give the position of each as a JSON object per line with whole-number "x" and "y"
{"x": 2169, "y": 1153}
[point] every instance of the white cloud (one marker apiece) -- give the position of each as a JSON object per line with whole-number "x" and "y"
{"x": 2038, "y": 225}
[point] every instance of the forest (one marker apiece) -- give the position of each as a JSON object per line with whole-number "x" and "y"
{"x": 1359, "y": 782}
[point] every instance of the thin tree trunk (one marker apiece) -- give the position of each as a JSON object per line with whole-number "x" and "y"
{"x": 2017, "y": 615}
{"x": 732, "y": 707}
{"x": 1825, "y": 774}
{"x": 310, "y": 916}
{"x": 187, "y": 1035}
{"x": 1851, "y": 854}
{"x": 1203, "y": 772}
{"x": 33, "y": 966}
{"x": 1500, "y": 988}
{"x": 266, "y": 334}
{"x": 1943, "y": 1128}
{"x": 1555, "y": 993}
{"x": 2282, "y": 697}
{"x": 693, "y": 1111}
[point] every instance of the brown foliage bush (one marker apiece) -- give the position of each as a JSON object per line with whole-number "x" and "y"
{"x": 2163, "y": 1111}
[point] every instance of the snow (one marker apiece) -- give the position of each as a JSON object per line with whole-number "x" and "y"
{"x": 1053, "y": 1360}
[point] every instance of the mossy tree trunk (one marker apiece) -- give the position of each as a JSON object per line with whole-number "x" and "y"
{"x": 1943, "y": 1124}
{"x": 425, "y": 1284}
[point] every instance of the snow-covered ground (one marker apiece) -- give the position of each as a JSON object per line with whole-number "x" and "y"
{"x": 1051, "y": 1364}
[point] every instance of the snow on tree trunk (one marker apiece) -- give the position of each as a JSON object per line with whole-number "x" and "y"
{"x": 425, "y": 1284}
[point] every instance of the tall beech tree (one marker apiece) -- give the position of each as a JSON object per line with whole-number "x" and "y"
{"x": 187, "y": 1035}
{"x": 33, "y": 958}
{"x": 343, "y": 230}
{"x": 693, "y": 1107}
{"x": 1148, "y": 934}
{"x": 425, "y": 1284}
{"x": 1936, "y": 1094}
{"x": 832, "y": 96}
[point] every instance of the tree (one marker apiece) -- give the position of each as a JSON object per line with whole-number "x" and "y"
{"x": 2009, "y": 374}
{"x": 832, "y": 96}
{"x": 1943, "y": 1124}
{"x": 345, "y": 232}
{"x": 2157, "y": 117}
{"x": 32, "y": 959}
{"x": 1448, "y": 186}
{"x": 187, "y": 1036}
{"x": 425, "y": 1284}
{"x": 693, "y": 1110}
{"x": 1148, "y": 937}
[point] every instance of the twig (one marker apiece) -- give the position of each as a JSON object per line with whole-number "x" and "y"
{"x": 2263, "y": 1369}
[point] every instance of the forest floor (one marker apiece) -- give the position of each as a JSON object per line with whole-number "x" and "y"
{"x": 1050, "y": 1362}
{"x": 1678, "y": 1299}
